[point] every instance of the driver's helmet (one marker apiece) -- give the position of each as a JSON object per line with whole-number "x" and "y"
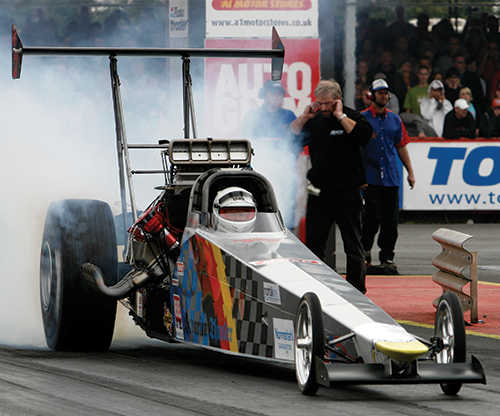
{"x": 234, "y": 210}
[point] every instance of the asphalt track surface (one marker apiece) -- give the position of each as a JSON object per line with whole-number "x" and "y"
{"x": 144, "y": 377}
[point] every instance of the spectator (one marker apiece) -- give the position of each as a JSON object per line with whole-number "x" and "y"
{"x": 335, "y": 135}
{"x": 382, "y": 193}
{"x": 441, "y": 33}
{"x": 421, "y": 31}
{"x": 408, "y": 76}
{"x": 474, "y": 42}
{"x": 399, "y": 26}
{"x": 492, "y": 28}
{"x": 452, "y": 84}
{"x": 489, "y": 124}
{"x": 445, "y": 61}
{"x": 490, "y": 63}
{"x": 495, "y": 90}
{"x": 459, "y": 64}
{"x": 435, "y": 107}
{"x": 459, "y": 123}
{"x": 363, "y": 101}
{"x": 387, "y": 68}
{"x": 366, "y": 52}
{"x": 269, "y": 120}
{"x": 400, "y": 52}
{"x": 471, "y": 79}
{"x": 466, "y": 94}
{"x": 416, "y": 94}
{"x": 362, "y": 72}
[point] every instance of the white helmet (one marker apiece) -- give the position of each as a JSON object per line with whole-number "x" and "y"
{"x": 234, "y": 210}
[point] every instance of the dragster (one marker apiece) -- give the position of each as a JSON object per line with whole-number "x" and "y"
{"x": 210, "y": 263}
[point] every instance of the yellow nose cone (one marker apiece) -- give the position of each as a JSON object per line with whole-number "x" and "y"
{"x": 402, "y": 351}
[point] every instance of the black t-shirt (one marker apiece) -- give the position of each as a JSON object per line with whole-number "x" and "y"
{"x": 336, "y": 157}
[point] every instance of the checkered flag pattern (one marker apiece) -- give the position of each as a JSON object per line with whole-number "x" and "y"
{"x": 253, "y": 332}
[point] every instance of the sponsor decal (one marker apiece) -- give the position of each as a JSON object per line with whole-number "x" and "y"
{"x": 261, "y": 4}
{"x": 139, "y": 304}
{"x": 263, "y": 262}
{"x": 178, "y": 19}
{"x": 255, "y": 18}
{"x": 179, "y": 329}
{"x": 336, "y": 132}
{"x": 272, "y": 293}
{"x": 179, "y": 273}
{"x": 180, "y": 268}
{"x": 167, "y": 318}
{"x": 283, "y": 339}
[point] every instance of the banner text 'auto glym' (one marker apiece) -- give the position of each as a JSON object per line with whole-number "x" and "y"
{"x": 232, "y": 85}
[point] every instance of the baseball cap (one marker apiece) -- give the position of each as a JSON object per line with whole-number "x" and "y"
{"x": 462, "y": 104}
{"x": 436, "y": 84}
{"x": 495, "y": 103}
{"x": 379, "y": 84}
{"x": 271, "y": 86}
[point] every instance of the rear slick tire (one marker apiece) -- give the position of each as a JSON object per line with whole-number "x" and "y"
{"x": 450, "y": 328}
{"x": 309, "y": 342}
{"x": 76, "y": 317}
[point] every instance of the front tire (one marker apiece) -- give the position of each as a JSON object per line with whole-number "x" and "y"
{"x": 309, "y": 342}
{"x": 75, "y": 317}
{"x": 450, "y": 328}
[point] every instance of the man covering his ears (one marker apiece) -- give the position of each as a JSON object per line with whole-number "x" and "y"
{"x": 382, "y": 193}
{"x": 335, "y": 135}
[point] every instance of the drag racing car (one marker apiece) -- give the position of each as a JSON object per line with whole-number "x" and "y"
{"x": 210, "y": 263}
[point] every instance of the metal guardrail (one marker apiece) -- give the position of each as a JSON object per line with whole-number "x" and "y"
{"x": 457, "y": 268}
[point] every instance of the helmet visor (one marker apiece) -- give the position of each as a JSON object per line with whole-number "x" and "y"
{"x": 237, "y": 213}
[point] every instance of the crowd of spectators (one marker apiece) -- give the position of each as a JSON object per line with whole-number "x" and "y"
{"x": 429, "y": 68}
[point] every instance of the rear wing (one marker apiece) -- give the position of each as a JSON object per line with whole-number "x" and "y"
{"x": 277, "y": 53}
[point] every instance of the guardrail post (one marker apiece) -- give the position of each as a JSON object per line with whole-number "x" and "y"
{"x": 457, "y": 267}
{"x": 474, "y": 318}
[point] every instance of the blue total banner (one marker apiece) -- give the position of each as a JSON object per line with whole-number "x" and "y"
{"x": 454, "y": 175}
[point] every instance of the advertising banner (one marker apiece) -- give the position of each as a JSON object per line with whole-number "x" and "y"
{"x": 178, "y": 23}
{"x": 255, "y": 18}
{"x": 454, "y": 175}
{"x": 232, "y": 84}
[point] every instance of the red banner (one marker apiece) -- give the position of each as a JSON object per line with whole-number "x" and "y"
{"x": 232, "y": 84}
{"x": 261, "y": 4}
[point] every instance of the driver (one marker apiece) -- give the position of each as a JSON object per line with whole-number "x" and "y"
{"x": 234, "y": 210}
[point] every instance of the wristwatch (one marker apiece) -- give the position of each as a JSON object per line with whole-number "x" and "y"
{"x": 342, "y": 117}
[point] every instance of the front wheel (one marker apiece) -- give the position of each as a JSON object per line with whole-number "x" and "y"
{"x": 450, "y": 328}
{"x": 75, "y": 317}
{"x": 309, "y": 342}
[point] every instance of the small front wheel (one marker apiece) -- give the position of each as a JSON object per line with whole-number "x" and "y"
{"x": 309, "y": 342}
{"x": 450, "y": 328}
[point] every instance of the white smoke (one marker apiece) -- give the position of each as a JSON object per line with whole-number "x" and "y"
{"x": 58, "y": 142}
